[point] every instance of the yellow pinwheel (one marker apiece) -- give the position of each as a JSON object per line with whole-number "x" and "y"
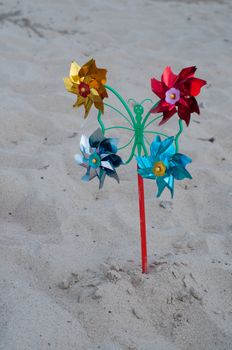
{"x": 87, "y": 82}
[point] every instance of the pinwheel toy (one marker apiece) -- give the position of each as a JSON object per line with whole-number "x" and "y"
{"x": 159, "y": 160}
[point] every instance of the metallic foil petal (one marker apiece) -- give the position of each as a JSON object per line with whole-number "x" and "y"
{"x": 102, "y": 176}
{"x": 96, "y": 138}
{"x": 93, "y": 78}
{"x": 163, "y": 152}
{"x": 84, "y": 144}
{"x": 107, "y": 165}
{"x": 80, "y": 160}
{"x": 184, "y": 86}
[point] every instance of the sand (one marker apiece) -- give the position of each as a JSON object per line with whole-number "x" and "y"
{"x": 70, "y": 273}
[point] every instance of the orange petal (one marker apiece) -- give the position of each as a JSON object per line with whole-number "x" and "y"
{"x": 87, "y": 67}
{"x": 99, "y": 105}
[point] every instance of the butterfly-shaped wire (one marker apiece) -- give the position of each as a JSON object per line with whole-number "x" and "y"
{"x": 136, "y": 124}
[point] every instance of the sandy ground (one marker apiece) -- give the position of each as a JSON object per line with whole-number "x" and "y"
{"x": 70, "y": 254}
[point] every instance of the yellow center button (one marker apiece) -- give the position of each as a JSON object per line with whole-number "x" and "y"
{"x": 159, "y": 169}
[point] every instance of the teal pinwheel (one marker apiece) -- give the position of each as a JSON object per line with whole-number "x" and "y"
{"x": 164, "y": 165}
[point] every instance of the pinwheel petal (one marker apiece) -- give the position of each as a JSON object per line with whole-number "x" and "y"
{"x": 165, "y": 146}
{"x": 158, "y": 88}
{"x": 114, "y": 159}
{"x": 101, "y": 75}
{"x": 169, "y": 180}
{"x": 86, "y": 176}
{"x": 102, "y": 177}
{"x": 87, "y": 68}
{"x": 88, "y": 104}
{"x": 184, "y": 101}
{"x": 109, "y": 145}
{"x": 161, "y": 184}
{"x": 144, "y": 162}
{"x": 184, "y": 113}
{"x": 106, "y": 164}
{"x": 92, "y": 173}
{"x": 168, "y": 77}
{"x": 161, "y": 107}
{"x": 194, "y": 86}
{"x": 80, "y": 160}
{"x": 193, "y": 105}
{"x": 147, "y": 174}
{"x": 84, "y": 144}
{"x": 74, "y": 72}
{"x": 155, "y": 145}
{"x": 98, "y": 75}
{"x": 70, "y": 86}
{"x": 114, "y": 175}
{"x": 80, "y": 101}
{"x": 181, "y": 159}
{"x": 97, "y": 99}
{"x": 99, "y": 105}
{"x": 95, "y": 95}
{"x": 96, "y": 138}
{"x": 167, "y": 115}
{"x": 186, "y": 73}
{"x": 180, "y": 173}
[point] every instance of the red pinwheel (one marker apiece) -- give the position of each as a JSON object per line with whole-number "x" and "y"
{"x": 177, "y": 93}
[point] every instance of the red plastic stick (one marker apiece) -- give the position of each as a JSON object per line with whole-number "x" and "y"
{"x": 142, "y": 224}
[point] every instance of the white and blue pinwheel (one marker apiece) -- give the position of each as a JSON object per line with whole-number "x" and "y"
{"x": 99, "y": 157}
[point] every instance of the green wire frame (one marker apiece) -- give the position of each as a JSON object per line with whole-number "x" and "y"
{"x": 138, "y": 125}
